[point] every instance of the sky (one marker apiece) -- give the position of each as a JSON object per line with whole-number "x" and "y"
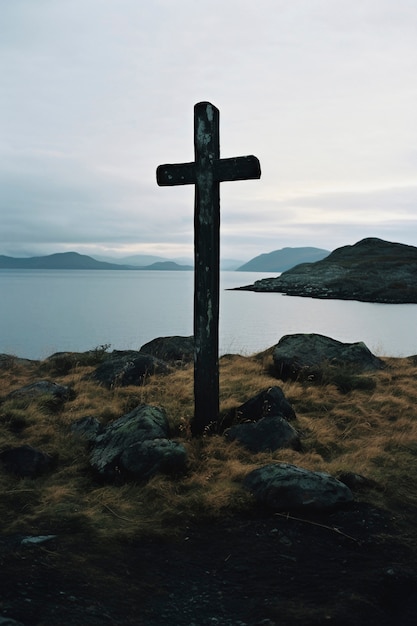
{"x": 95, "y": 94}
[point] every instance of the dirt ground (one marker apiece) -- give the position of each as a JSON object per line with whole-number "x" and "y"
{"x": 348, "y": 568}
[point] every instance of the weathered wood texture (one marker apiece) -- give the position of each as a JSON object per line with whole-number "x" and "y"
{"x": 206, "y": 268}
{"x": 235, "y": 168}
{"x": 206, "y": 173}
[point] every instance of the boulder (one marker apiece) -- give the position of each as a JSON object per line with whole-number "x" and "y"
{"x": 87, "y": 427}
{"x": 144, "y": 459}
{"x": 36, "y": 540}
{"x": 129, "y": 368}
{"x": 26, "y": 462}
{"x": 8, "y": 621}
{"x": 266, "y": 435}
{"x": 270, "y": 402}
{"x": 60, "y": 363}
{"x": 8, "y": 361}
{"x": 60, "y": 393}
{"x": 114, "y": 449}
{"x": 300, "y": 354}
{"x": 174, "y": 350}
{"x": 356, "y": 482}
{"x": 285, "y": 487}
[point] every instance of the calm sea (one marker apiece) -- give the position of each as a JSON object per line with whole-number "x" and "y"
{"x": 42, "y": 312}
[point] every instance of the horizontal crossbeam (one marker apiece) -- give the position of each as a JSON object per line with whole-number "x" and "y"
{"x": 178, "y": 174}
{"x": 235, "y": 168}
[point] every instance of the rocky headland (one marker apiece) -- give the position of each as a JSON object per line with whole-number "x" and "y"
{"x": 372, "y": 270}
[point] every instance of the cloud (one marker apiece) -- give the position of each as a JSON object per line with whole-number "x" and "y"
{"x": 98, "y": 93}
{"x": 324, "y": 219}
{"x": 58, "y": 200}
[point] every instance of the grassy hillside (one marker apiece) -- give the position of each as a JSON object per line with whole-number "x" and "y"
{"x": 361, "y": 424}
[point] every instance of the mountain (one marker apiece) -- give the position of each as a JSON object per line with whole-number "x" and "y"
{"x": 167, "y": 265}
{"x": 284, "y": 259}
{"x": 230, "y": 264}
{"x": 371, "y": 270}
{"x": 145, "y": 260}
{"x": 138, "y": 260}
{"x": 58, "y": 261}
{"x": 75, "y": 261}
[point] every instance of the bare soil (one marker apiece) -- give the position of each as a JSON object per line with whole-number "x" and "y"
{"x": 351, "y": 568}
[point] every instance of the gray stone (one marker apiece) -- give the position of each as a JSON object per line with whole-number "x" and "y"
{"x": 87, "y": 427}
{"x": 299, "y": 353}
{"x": 60, "y": 393}
{"x": 60, "y": 363}
{"x": 268, "y": 434}
{"x": 174, "y": 350}
{"x": 8, "y": 621}
{"x": 8, "y": 361}
{"x": 35, "y": 540}
{"x": 356, "y": 482}
{"x": 286, "y": 487}
{"x": 144, "y": 423}
{"x": 26, "y": 462}
{"x": 265, "y": 404}
{"x": 144, "y": 459}
{"x": 130, "y": 368}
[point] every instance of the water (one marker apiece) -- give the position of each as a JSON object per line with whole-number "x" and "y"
{"x": 42, "y": 312}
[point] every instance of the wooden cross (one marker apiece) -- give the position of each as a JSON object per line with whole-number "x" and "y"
{"x": 206, "y": 173}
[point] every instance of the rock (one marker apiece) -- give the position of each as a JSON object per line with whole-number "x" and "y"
{"x": 35, "y": 540}
{"x": 264, "y": 404}
{"x": 268, "y": 434}
{"x": 8, "y": 621}
{"x": 60, "y": 363}
{"x": 174, "y": 350}
{"x": 112, "y": 456}
{"x": 26, "y": 462}
{"x": 356, "y": 482}
{"x": 286, "y": 487}
{"x": 372, "y": 270}
{"x": 304, "y": 353}
{"x": 130, "y": 368}
{"x": 7, "y": 361}
{"x": 88, "y": 427}
{"x": 60, "y": 393}
{"x": 144, "y": 459}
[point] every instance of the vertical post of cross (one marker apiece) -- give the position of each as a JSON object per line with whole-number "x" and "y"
{"x": 207, "y": 266}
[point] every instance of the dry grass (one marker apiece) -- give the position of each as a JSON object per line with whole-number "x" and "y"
{"x": 371, "y": 430}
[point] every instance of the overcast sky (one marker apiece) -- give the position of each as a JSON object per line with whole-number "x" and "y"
{"x": 95, "y": 94}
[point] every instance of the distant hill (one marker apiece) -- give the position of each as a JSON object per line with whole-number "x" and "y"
{"x": 372, "y": 270}
{"x": 145, "y": 260}
{"x": 168, "y": 266}
{"x": 58, "y": 261}
{"x": 230, "y": 264}
{"x": 284, "y": 259}
{"x": 137, "y": 260}
{"x": 75, "y": 261}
